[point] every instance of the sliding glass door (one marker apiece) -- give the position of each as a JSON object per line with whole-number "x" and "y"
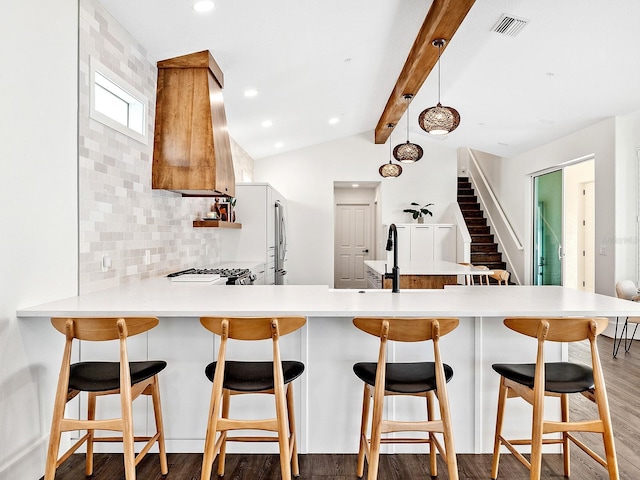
{"x": 547, "y": 229}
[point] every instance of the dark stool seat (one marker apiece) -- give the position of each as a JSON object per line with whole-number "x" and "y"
{"x": 560, "y": 377}
{"x": 253, "y": 376}
{"x": 407, "y": 378}
{"x": 104, "y": 376}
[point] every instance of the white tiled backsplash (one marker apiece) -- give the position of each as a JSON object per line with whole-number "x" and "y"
{"x": 120, "y": 216}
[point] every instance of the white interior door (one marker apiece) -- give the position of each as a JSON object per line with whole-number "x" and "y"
{"x": 586, "y": 270}
{"x": 353, "y": 244}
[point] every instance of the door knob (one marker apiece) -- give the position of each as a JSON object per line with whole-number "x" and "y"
{"x": 366, "y": 250}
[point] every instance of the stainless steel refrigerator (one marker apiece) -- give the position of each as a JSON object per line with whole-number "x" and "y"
{"x": 280, "y": 242}
{"x": 261, "y": 210}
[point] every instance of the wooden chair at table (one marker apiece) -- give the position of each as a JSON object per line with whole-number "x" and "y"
{"x": 418, "y": 379}
{"x": 468, "y": 278}
{"x": 248, "y": 377}
{"x": 500, "y": 276}
{"x": 626, "y": 289}
{"x": 483, "y": 278}
{"x": 124, "y": 378}
{"x": 533, "y": 381}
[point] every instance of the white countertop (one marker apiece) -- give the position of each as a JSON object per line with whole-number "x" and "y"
{"x": 427, "y": 268}
{"x": 162, "y": 298}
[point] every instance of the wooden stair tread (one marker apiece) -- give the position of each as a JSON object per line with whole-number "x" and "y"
{"x": 484, "y": 249}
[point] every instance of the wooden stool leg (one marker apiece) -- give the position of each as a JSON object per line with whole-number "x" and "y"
{"x": 452, "y": 462}
{"x": 283, "y": 431}
{"x": 91, "y": 415}
{"x": 564, "y": 409}
{"x": 157, "y": 411}
{"x": 210, "y": 439}
{"x": 536, "y": 436}
{"x": 54, "y": 439}
{"x": 605, "y": 416}
{"x": 127, "y": 436}
{"x": 433, "y": 457}
{"x": 222, "y": 455}
{"x": 364, "y": 422}
{"x": 295, "y": 467}
{"x": 502, "y": 398}
{"x": 376, "y": 429}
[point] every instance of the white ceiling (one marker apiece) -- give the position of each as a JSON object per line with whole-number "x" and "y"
{"x": 574, "y": 64}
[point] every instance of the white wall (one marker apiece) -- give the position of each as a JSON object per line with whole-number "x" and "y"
{"x": 510, "y": 179}
{"x": 626, "y": 197}
{"x": 38, "y": 212}
{"x": 305, "y": 177}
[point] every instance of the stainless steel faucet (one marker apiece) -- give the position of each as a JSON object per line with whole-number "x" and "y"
{"x": 392, "y": 242}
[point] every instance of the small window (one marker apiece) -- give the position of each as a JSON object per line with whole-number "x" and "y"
{"x": 117, "y": 104}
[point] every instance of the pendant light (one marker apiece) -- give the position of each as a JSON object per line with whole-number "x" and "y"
{"x": 439, "y": 120}
{"x": 390, "y": 170}
{"x": 408, "y": 152}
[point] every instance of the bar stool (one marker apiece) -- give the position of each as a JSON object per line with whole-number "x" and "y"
{"x": 419, "y": 379}
{"x": 124, "y": 378}
{"x": 240, "y": 378}
{"x": 534, "y": 381}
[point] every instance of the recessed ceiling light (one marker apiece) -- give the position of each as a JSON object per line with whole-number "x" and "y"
{"x": 252, "y": 92}
{"x": 334, "y": 120}
{"x": 267, "y": 123}
{"x": 279, "y": 145}
{"x": 203, "y": 6}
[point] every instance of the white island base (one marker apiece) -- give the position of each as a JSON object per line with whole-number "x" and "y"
{"x": 328, "y": 395}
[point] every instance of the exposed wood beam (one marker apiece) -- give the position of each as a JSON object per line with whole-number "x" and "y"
{"x": 442, "y": 21}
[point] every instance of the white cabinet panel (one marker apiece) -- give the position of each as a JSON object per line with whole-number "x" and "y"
{"x": 422, "y": 243}
{"x": 444, "y": 243}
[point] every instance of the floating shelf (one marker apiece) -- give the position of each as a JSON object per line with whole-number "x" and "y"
{"x": 216, "y": 224}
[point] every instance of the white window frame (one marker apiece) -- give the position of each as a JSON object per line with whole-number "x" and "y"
{"x": 127, "y": 93}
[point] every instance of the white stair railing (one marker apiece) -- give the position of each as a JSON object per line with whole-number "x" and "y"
{"x": 505, "y": 234}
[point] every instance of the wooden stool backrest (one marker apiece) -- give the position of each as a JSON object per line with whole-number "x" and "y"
{"x": 102, "y": 329}
{"x": 252, "y": 328}
{"x": 406, "y": 329}
{"x": 558, "y": 329}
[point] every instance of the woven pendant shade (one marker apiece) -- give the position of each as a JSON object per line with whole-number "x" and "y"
{"x": 390, "y": 170}
{"x": 408, "y": 152}
{"x": 439, "y": 120}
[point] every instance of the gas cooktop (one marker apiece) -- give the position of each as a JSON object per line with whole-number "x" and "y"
{"x": 233, "y": 276}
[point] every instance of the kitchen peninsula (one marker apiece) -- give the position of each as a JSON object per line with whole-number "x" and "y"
{"x": 328, "y": 345}
{"x": 420, "y": 275}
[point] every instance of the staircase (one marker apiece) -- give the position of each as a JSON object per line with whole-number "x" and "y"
{"x": 484, "y": 251}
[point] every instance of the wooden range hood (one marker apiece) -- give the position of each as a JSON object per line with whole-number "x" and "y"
{"x": 192, "y": 149}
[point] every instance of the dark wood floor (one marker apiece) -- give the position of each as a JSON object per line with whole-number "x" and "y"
{"x": 622, "y": 376}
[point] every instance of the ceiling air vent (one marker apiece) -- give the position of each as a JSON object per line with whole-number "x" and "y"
{"x": 510, "y": 25}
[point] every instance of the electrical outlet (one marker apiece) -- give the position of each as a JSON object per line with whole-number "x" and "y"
{"x": 147, "y": 257}
{"x": 603, "y": 249}
{"x": 106, "y": 263}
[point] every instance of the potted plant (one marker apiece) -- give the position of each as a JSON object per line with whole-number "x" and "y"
{"x": 420, "y": 212}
